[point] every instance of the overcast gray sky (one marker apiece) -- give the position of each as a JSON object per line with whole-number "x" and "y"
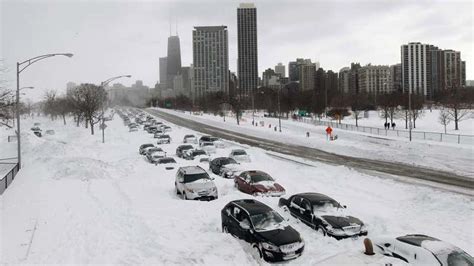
{"x": 110, "y": 38}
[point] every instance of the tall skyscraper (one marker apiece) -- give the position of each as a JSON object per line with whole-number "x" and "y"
{"x": 247, "y": 62}
{"x": 173, "y": 65}
{"x": 280, "y": 69}
{"x": 163, "y": 70}
{"x": 344, "y": 80}
{"x": 396, "y": 74}
{"x": 210, "y": 60}
{"x": 307, "y": 72}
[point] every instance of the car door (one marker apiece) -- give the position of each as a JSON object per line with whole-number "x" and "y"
{"x": 307, "y": 214}
{"x": 245, "y": 183}
{"x": 240, "y": 180}
{"x": 233, "y": 225}
{"x": 179, "y": 181}
{"x": 295, "y": 207}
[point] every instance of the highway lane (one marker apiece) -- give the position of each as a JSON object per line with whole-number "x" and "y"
{"x": 363, "y": 164}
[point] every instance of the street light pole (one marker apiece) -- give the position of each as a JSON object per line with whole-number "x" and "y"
{"x": 279, "y": 108}
{"x": 409, "y": 112}
{"x": 102, "y": 85}
{"x": 19, "y": 69}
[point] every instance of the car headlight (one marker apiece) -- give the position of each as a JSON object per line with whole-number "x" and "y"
{"x": 189, "y": 190}
{"x": 269, "y": 246}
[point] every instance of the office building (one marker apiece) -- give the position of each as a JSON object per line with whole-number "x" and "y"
{"x": 173, "y": 61}
{"x": 280, "y": 69}
{"x": 375, "y": 80}
{"x": 247, "y": 61}
{"x": 210, "y": 60}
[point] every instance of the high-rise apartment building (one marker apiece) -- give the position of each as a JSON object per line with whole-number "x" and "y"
{"x": 307, "y": 71}
{"x": 247, "y": 61}
{"x": 375, "y": 80}
{"x": 173, "y": 61}
{"x": 396, "y": 75}
{"x": 210, "y": 60}
{"x": 280, "y": 69}
{"x": 344, "y": 80}
{"x": 354, "y": 78}
{"x": 417, "y": 68}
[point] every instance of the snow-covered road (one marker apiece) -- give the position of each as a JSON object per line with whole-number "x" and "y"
{"x": 77, "y": 200}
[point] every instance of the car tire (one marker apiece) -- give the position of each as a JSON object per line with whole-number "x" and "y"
{"x": 322, "y": 230}
{"x": 257, "y": 251}
{"x": 184, "y": 195}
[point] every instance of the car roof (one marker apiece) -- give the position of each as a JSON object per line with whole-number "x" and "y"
{"x": 191, "y": 170}
{"x": 252, "y": 206}
{"x": 416, "y": 240}
{"x": 314, "y": 197}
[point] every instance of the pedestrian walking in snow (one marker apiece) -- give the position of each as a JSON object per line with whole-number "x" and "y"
{"x": 307, "y": 134}
{"x": 393, "y": 125}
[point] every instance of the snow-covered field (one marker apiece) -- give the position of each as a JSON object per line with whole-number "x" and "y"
{"x": 450, "y": 157}
{"x": 79, "y": 201}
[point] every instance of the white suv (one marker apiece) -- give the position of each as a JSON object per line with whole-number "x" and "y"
{"x": 193, "y": 182}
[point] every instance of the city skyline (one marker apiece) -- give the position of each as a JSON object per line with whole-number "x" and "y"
{"x": 134, "y": 35}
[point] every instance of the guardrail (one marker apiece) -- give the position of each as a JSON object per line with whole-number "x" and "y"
{"x": 9, "y": 177}
{"x": 421, "y": 135}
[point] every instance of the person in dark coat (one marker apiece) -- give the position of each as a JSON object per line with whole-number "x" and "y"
{"x": 393, "y": 125}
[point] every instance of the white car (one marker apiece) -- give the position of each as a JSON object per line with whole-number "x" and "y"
{"x": 190, "y": 139}
{"x": 240, "y": 156}
{"x": 193, "y": 182}
{"x": 421, "y": 250}
{"x": 208, "y": 146}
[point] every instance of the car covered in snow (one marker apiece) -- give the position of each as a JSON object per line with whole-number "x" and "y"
{"x": 144, "y": 147}
{"x": 155, "y": 155}
{"x": 168, "y": 162}
{"x": 193, "y": 182}
{"x": 218, "y": 163}
{"x": 209, "y": 147}
{"x": 263, "y": 228}
{"x": 422, "y": 250}
{"x": 152, "y": 129}
{"x": 190, "y": 139}
{"x": 258, "y": 183}
{"x": 151, "y": 150}
{"x": 162, "y": 139}
{"x": 240, "y": 155}
{"x": 133, "y": 129}
{"x": 181, "y": 149}
{"x": 158, "y": 133}
{"x": 324, "y": 214}
{"x": 198, "y": 154}
{"x": 166, "y": 128}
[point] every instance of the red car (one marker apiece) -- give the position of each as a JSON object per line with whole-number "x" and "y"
{"x": 258, "y": 183}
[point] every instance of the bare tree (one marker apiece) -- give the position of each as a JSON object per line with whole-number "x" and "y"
{"x": 7, "y": 100}
{"x": 338, "y": 109}
{"x": 458, "y": 104}
{"x": 358, "y": 103}
{"x": 444, "y": 119}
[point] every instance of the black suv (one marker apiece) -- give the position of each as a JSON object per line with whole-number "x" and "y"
{"x": 216, "y": 164}
{"x": 263, "y": 228}
{"x": 324, "y": 214}
{"x": 181, "y": 149}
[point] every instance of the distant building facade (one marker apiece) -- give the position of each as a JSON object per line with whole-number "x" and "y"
{"x": 396, "y": 75}
{"x": 344, "y": 80}
{"x": 173, "y": 60}
{"x": 375, "y": 80}
{"x": 163, "y": 70}
{"x": 307, "y": 71}
{"x": 210, "y": 60}
{"x": 280, "y": 69}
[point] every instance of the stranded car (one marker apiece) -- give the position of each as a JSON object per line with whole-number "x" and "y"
{"x": 196, "y": 154}
{"x": 169, "y": 162}
{"x": 324, "y": 214}
{"x": 208, "y": 147}
{"x": 164, "y": 139}
{"x": 258, "y": 183}
{"x": 183, "y": 148}
{"x": 422, "y": 250}
{"x": 193, "y": 182}
{"x": 158, "y": 133}
{"x": 216, "y": 164}
{"x": 155, "y": 155}
{"x": 240, "y": 156}
{"x": 256, "y": 223}
{"x": 190, "y": 139}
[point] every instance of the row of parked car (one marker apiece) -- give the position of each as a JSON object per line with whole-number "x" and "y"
{"x": 269, "y": 234}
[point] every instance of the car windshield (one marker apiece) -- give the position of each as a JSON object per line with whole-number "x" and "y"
{"x": 237, "y": 153}
{"x": 227, "y": 161}
{"x": 152, "y": 150}
{"x": 213, "y": 138}
{"x": 188, "y": 136}
{"x": 146, "y": 146}
{"x": 164, "y": 137}
{"x": 326, "y": 205}
{"x": 186, "y": 147}
{"x": 267, "y": 221}
{"x": 260, "y": 177}
{"x": 194, "y": 177}
{"x": 208, "y": 144}
{"x": 167, "y": 160}
{"x": 199, "y": 152}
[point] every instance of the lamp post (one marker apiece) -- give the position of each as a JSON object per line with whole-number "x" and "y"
{"x": 102, "y": 85}
{"x": 20, "y": 66}
{"x": 13, "y": 100}
{"x": 279, "y": 109}
{"x": 409, "y": 112}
